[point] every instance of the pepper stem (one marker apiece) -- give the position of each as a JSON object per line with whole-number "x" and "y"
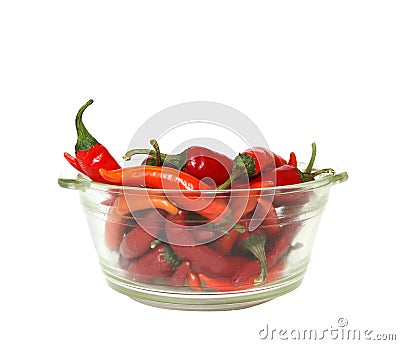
{"x": 173, "y": 259}
{"x": 154, "y": 143}
{"x": 128, "y": 155}
{"x": 85, "y": 140}
{"x": 228, "y": 182}
{"x": 312, "y": 159}
{"x": 255, "y": 244}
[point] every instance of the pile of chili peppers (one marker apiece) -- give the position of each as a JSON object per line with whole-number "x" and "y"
{"x": 164, "y": 247}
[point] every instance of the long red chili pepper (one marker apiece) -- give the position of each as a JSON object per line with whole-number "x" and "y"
{"x": 198, "y": 161}
{"x": 202, "y": 258}
{"x": 253, "y": 162}
{"x": 171, "y": 179}
{"x": 90, "y": 155}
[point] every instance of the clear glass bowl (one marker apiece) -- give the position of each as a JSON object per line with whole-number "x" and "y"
{"x": 113, "y": 212}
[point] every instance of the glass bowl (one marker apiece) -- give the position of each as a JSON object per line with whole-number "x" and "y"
{"x": 134, "y": 237}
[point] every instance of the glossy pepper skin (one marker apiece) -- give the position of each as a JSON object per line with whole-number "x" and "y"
{"x": 198, "y": 161}
{"x": 156, "y": 263}
{"x": 90, "y": 154}
{"x": 201, "y": 257}
{"x": 253, "y": 162}
{"x": 171, "y": 179}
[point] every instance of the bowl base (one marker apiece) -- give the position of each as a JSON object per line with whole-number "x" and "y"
{"x": 209, "y": 301}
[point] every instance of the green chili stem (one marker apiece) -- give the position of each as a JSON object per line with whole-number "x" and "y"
{"x": 312, "y": 159}
{"x": 154, "y": 143}
{"x": 255, "y": 244}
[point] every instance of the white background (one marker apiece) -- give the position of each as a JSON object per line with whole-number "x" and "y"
{"x": 324, "y": 71}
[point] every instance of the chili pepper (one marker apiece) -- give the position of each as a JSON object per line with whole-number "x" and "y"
{"x": 158, "y": 262}
{"x": 292, "y": 160}
{"x": 290, "y": 174}
{"x": 198, "y": 161}
{"x": 126, "y": 204}
{"x": 253, "y": 162}
{"x": 138, "y": 240}
{"x": 225, "y": 243}
{"x": 284, "y": 242}
{"x": 281, "y": 247}
{"x": 172, "y": 179}
{"x": 180, "y": 275}
{"x": 255, "y": 244}
{"x": 271, "y": 224}
{"x": 202, "y": 258}
{"x": 90, "y": 154}
{"x": 225, "y": 284}
{"x": 193, "y": 280}
{"x": 251, "y": 270}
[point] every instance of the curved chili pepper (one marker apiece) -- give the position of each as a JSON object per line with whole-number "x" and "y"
{"x": 90, "y": 155}
{"x": 198, "y": 161}
{"x": 202, "y": 258}
{"x": 157, "y": 263}
{"x": 124, "y": 205}
{"x": 173, "y": 180}
{"x": 253, "y": 162}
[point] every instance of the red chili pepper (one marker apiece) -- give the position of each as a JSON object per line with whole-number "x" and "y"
{"x": 173, "y": 180}
{"x": 271, "y": 224}
{"x": 198, "y": 161}
{"x": 252, "y": 270}
{"x": 90, "y": 155}
{"x": 193, "y": 280}
{"x": 255, "y": 244}
{"x": 137, "y": 241}
{"x": 158, "y": 262}
{"x": 180, "y": 275}
{"x": 292, "y": 160}
{"x": 283, "y": 243}
{"x": 290, "y": 174}
{"x": 225, "y": 284}
{"x": 253, "y": 162}
{"x": 281, "y": 247}
{"x": 120, "y": 213}
{"x": 225, "y": 243}
{"x": 202, "y": 258}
